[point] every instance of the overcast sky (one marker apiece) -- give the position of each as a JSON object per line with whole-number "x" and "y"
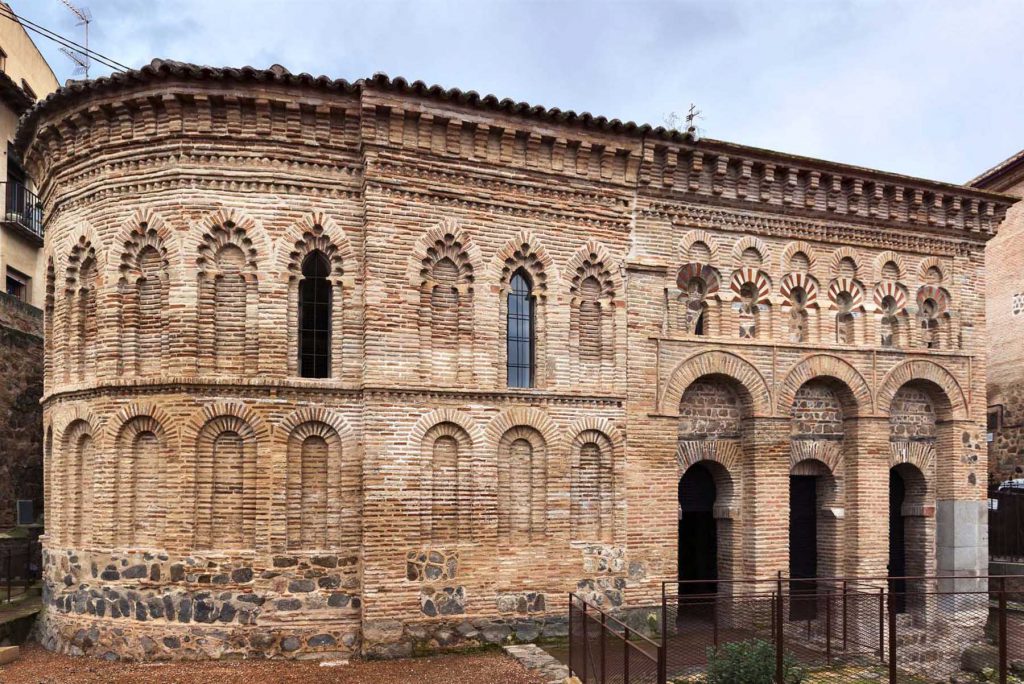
{"x": 928, "y": 88}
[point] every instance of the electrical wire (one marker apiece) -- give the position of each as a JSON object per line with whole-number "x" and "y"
{"x": 61, "y": 40}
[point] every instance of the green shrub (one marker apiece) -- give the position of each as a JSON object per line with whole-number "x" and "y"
{"x": 749, "y": 662}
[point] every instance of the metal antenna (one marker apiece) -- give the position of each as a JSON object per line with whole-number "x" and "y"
{"x": 79, "y": 57}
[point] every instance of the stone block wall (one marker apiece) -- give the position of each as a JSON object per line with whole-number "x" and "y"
{"x": 21, "y": 415}
{"x": 692, "y": 302}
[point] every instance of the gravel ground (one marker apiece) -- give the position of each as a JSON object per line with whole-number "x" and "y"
{"x": 36, "y": 666}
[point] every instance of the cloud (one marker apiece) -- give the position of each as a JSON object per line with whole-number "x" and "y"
{"x": 923, "y": 88}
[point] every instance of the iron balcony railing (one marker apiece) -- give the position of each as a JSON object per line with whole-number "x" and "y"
{"x": 23, "y": 208}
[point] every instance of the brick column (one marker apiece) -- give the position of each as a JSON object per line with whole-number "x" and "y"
{"x": 865, "y": 539}
{"x": 765, "y": 544}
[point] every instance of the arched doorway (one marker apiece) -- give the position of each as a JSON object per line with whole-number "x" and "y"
{"x": 909, "y": 538}
{"x": 698, "y": 533}
{"x": 897, "y": 541}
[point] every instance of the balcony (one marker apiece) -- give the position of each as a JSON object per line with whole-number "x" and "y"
{"x": 23, "y": 210}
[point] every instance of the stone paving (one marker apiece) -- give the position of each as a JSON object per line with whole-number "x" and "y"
{"x": 536, "y": 659}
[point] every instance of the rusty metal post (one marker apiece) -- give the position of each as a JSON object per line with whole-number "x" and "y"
{"x": 572, "y": 643}
{"x": 586, "y": 642}
{"x": 892, "y": 640}
{"x": 828, "y": 628}
{"x": 604, "y": 631}
{"x": 779, "y": 638}
{"x": 881, "y": 625}
{"x": 845, "y": 612}
{"x": 1002, "y": 631}
{"x": 625, "y": 656}
{"x": 9, "y": 553}
{"x": 663, "y": 651}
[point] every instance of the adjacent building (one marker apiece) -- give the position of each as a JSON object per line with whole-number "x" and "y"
{"x": 378, "y": 367}
{"x": 24, "y": 76}
{"x": 1004, "y": 256}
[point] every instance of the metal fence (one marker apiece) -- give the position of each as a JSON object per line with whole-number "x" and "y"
{"x": 20, "y": 565}
{"x": 23, "y": 208}
{"x": 912, "y": 630}
{"x": 604, "y": 649}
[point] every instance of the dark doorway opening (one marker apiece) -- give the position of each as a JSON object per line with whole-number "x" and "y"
{"x": 897, "y": 541}
{"x": 698, "y": 540}
{"x": 803, "y": 546}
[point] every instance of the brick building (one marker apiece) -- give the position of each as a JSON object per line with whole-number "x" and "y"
{"x": 378, "y": 366}
{"x": 1004, "y": 255}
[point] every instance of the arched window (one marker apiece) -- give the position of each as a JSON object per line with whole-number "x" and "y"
{"x": 520, "y": 335}
{"x": 798, "y": 315}
{"x": 315, "y": 317}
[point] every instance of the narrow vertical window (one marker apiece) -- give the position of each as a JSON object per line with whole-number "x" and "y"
{"x": 315, "y": 317}
{"x": 520, "y": 333}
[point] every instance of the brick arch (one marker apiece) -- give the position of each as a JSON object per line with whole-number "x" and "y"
{"x": 726, "y": 458}
{"x": 203, "y": 230}
{"x": 525, "y": 251}
{"x": 930, "y": 262}
{"x": 593, "y": 258}
{"x": 421, "y": 251}
{"x": 800, "y": 246}
{"x": 129, "y": 412}
{"x": 575, "y": 431}
{"x": 758, "y": 396}
{"x": 82, "y": 234}
{"x": 521, "y": 416}
{"x": 152, "y": 229}
{"x": 885, "y": 257}
{"x": 824, "y": 366}
{"x": 802, "y": 280}
{"x": 428, "y": 421}
{"x": 918, "y": 454}
{"x": 236, "y": 409}
{"x": 756, "y": 277}
{"x": 751, "y": 242}
{"x": 317, "y": 415}
{"x": 73, "y": 413}
{"x": 315, "y": 230}
{"x": 827, "y": 452}
{"x": 920, "y": 369}
{"x": 695, "y": 236}
{"x": 845, "y": 252}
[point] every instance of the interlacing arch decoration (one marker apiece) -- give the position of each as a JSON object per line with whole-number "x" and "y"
{"x": 229, "y": 299}
{"x": 922, "y": 369}
{"x": 318, "y": 233}
{"x": 933, "y": 317}
{"x": 847, "y": 298}
{"x": 800, "y": 293}
{"x": 593, "y": 288}
{"x": 751, "y": 289}
{"x": 755, "y": 393}
{"x": 79, "y": 313}
{"x": 49, "y": 310}
{"x": 222, "y": 444}
{"x": 694, "y": 300}
{"x": 524, "y": 255}
{"x": 890, "y": 300}
{"x": 147, "y": 250}
{"x": 444, "y": 263}
{"x": 825, "y": 366}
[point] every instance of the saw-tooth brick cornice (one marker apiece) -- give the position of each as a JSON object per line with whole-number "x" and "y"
{"x": 168, "y": 98}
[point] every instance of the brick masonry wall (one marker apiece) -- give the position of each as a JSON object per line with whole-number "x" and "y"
{"x": 21, "y": 415}
{"x": 413, "y": 501}
{"x": 1005, "y": 317}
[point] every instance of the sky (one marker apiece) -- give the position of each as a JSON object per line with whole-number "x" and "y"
{"x": 930, "y": 88}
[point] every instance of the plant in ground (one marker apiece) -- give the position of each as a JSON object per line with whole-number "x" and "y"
{"x": 749, "y": 662}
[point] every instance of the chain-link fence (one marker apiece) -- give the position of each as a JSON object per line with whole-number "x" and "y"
{"x": 912, "y": 630}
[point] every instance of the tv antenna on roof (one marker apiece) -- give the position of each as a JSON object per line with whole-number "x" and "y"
{"x": 79, "y": 57}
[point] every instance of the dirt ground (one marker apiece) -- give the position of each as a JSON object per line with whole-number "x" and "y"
{"x": 36, "y": 666}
